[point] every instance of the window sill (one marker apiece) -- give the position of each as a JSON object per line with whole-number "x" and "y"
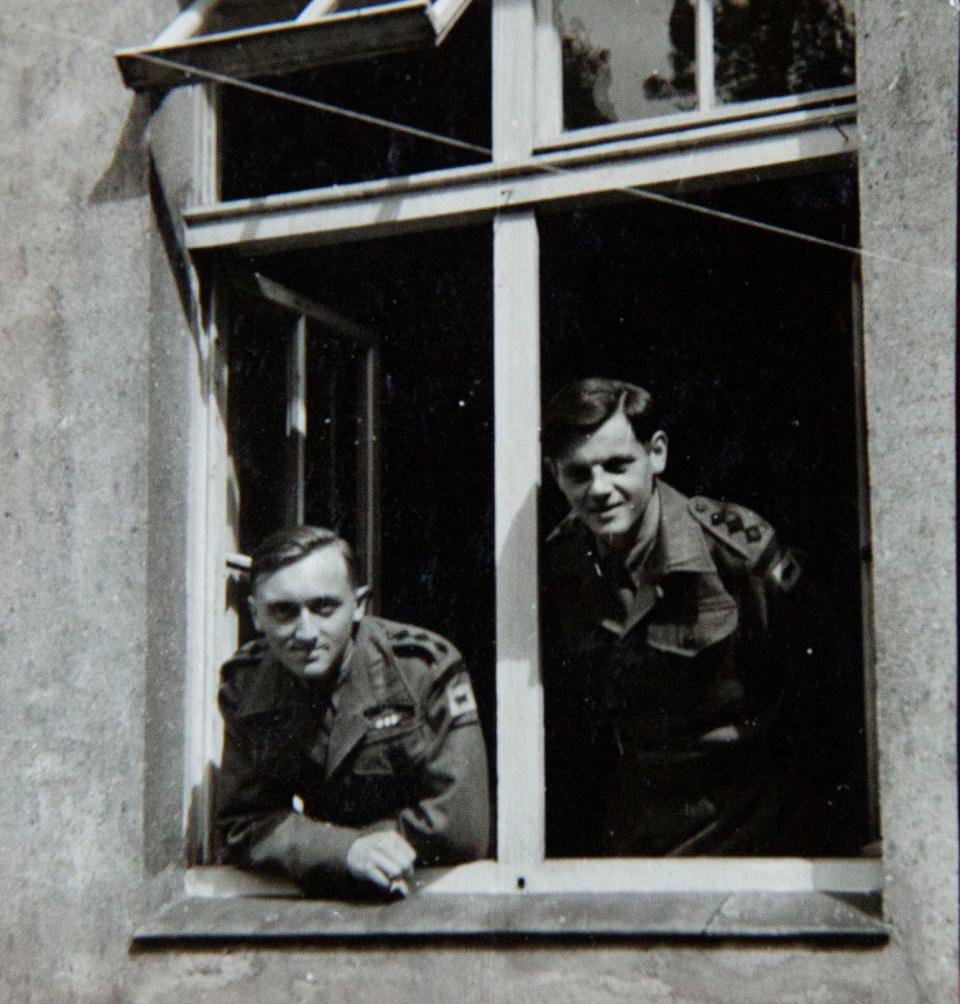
{"x": 221, "y": 905}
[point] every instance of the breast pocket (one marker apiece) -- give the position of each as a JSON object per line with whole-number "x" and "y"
{"x": 392, "y": 750}
{"x": 711, "y": 624}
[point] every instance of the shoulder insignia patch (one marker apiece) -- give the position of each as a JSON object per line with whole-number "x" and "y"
{"x": 739, "y": 528}
{"x": 785, "y": 571}
{"x": 460, "y": 699}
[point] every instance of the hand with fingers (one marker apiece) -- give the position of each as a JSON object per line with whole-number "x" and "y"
{"x": 383, "y": 858}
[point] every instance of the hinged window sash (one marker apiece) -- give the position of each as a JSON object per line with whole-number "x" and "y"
{"x": 287, "y": 35}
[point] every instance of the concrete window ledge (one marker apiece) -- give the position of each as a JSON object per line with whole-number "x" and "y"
{"x": 224, "y": 906}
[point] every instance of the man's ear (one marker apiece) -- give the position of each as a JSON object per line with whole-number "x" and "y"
{"x": 657, "y": 450}
{"x": 551, "y": 465}
{"x": 362, "y": 596}
{"x": 254, "y": 609}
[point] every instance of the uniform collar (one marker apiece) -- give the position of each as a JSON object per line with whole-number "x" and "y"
{"x": 273, "y": 687}
{"x": 680, "y": 546}
{"x": 360, "y": 692}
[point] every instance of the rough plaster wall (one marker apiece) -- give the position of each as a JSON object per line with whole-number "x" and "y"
{"x": 908, "y": 125}
{"x": 651, "y": 975}
{"x": 74, "y": 288}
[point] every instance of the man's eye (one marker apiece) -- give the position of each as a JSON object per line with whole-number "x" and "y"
{"x": 284, "y": 612}
{"x": 577, "y": 475}
{"x": 322, "y": 608}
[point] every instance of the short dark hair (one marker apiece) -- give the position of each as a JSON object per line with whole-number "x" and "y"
{"x": 288, "y": 546}
{"x": 580, "y": 407}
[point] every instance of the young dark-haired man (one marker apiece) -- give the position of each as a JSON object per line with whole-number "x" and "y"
{"x": 665, "y": 664}
{"x": 370, "y": 723}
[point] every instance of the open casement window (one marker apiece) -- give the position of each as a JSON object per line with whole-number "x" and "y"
{"x": 257, "y": 38}
{"x": 491, "y": 284}
{"x": 299, "y": 401}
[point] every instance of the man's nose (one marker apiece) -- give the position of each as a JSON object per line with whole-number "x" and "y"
{"x": 305, "y": 629}
{"x": 599, "y": 483}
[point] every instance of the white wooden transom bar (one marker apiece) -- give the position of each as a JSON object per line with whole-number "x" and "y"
{"x": 465, "y": 195}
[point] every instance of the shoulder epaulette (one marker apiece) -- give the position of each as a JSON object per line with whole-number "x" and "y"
{"x": 249, "y": 654}
{"x": 409, "y": 642}
{"x": 738, "y": 528}
{"x": 237, "y": 672}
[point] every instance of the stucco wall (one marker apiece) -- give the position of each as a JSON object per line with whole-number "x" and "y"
{"x": 73, "y": 498}
{"x": 908, "y": 124}
{"x": 94, "y": 372}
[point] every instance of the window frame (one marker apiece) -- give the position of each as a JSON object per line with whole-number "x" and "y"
{"x": 508, "y": 192}
{"x": 320, "y": 35}
{"x": 551, "y": 134}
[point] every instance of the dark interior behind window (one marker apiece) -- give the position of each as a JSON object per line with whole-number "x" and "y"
{"x": 748, "y": 337}
{"x": 270, "y": 145}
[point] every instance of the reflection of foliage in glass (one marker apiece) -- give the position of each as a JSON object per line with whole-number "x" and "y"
{"x": 586, "y": 80}
{"x": 763, "y": 48}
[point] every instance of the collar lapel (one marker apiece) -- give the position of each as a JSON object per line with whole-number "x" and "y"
{"x": 354, "y": 696}
{"x": 681, "y": 547}
{"x": 644, "y": 601}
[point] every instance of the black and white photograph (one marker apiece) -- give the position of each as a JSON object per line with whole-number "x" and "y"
{"x": 479, "y": 501}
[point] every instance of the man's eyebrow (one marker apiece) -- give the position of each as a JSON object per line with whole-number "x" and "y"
{"x": 305, "y": 603}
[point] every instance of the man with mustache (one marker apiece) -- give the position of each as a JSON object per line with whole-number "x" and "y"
{"x": 370, "y": 724}
{"x": 665, "y": 663}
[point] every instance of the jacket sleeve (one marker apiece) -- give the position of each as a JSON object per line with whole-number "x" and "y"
{"x": 450, "y": 821}
{"x": 260, "y": 829}
{"x": 258, "y": 826}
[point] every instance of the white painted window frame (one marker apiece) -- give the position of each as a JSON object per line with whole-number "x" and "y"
{"x": 508, "y": 192}
{"x": 550, "y": 134}
{"x": 319, "y": 35}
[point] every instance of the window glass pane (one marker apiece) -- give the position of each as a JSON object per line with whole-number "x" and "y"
{"x": 270, "y": 145}
{"x": 256, "y": 416}
{"x": 333, "y": 413}
{"x": 768, "y": 48}
{"x": 673, "y": 723}
{"x": 625, "y": 60}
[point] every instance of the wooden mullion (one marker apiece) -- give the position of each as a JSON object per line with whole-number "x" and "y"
{"x": 294, "y": 483}
{"x": 866, "y": 557}
{"x": 549, "y": 72}
{"x": 315, "y": 9}
{"x": 368, "y": 472}
{"x": 705, "y": 61}
{"x": 521, "y": 812}
{"x": 186, "y": 24}
{"x": 444, "y": 14}
{"x": 258, "y": 285}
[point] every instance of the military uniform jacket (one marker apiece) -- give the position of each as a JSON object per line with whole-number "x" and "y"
{"x": 664, "y": 682}
{"x": 397, "y": 745}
